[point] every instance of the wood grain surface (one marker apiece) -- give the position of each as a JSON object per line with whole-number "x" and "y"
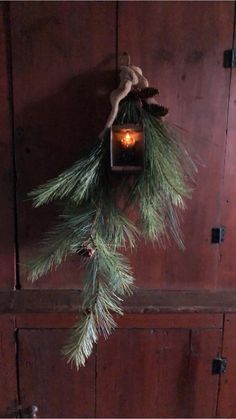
{"x": 57, "y": 67}
{"x": 8, "y": 375}
{"x": 7, "y": 234}
{"x": 48, "y": 382}
{"x": 142, "y": 301}
{"x": 64, "y": 67}
{"x": 157, "y": 373}
{"x": 129, "y": 321}
{"x": 180, "y": 46}
{"x": 226, "y": 274}
{"x": 227, "y": 393}
{"x": 157, "y": 368}
{"x": 63, "y": 77}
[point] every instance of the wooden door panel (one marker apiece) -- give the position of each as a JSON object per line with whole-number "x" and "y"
{"x": 48, "y": 382}
{"x": 8, "y": 379}
{"x": 205, "y": 346}
{"x": 226, "y": 277}
{"x": 139, "y": 371}
{"x": 63, "y": 71}
{"x": 7, "y": 238}
{"x": 227, "y": 395}
{"x": 157, "y": 373}
{"x": 180, "y": 46}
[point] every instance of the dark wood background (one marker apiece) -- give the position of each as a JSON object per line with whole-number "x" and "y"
{"x": 58, "y": 64}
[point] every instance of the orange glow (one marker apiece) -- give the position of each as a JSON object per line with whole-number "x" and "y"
{"x": 128, "y": 140}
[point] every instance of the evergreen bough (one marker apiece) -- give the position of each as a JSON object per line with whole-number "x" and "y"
{"x": 92, "y": 219}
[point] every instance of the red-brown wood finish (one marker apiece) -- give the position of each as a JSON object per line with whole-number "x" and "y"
{"x": 8, "y": 382}
{"x": 152, "y": 366}
{"x": 7, "y": 265}
{"x": 205, "y": 346}
{"x": 63, "y": 58}
{"x": 171, "y": 321}
{"x": 180, "y": 46}
{"x": 48, "y": 382}
{"x": 157, "y": 373}
{"x": 226, "y": 276}
{"x": 129, "y": 321}
{"x": 141, "y": 302}
{"x": 63, "y": 71}
{"x": 227, "y": 394}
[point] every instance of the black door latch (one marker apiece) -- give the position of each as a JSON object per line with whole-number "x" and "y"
{"x": 217, "y": 234}
{"x": 230, "y": 58}
{"x": 219, "y": 365}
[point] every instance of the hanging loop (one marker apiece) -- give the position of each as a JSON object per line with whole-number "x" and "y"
{"x": 130, "y": 77}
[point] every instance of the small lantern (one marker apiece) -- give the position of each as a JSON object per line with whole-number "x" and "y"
{"x": 127, "y": 147}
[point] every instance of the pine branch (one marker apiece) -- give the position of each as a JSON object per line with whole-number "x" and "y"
{"x": 71, "y": 231}
{"x": 161, "y": 188}
{"x": 82, "y": 340}
{"x": 119, "y": 231}
{"x": 77, "y": 182}
{"x": 99, "y": 302}
{"x": 114, "y": 266}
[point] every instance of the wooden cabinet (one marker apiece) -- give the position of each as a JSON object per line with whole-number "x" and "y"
{"x": 58, "y": 66}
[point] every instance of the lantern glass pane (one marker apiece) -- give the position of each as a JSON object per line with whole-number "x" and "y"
{"x": 127, "y": 147}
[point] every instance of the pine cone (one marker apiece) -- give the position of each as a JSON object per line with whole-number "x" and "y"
{"x": 155, "y": 110}
{"x": 86, "y": 251}
{"x": 133, "y": 95}
{"x": 148, "y": 92}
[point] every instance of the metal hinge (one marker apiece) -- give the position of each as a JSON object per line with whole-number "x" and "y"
{"x": 219, "y": 365}
{"x": 217, "y": 234}
{"x": 230, "y": 58}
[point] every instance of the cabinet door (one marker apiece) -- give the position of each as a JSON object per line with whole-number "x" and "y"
{"x": 155, "y": 372}
{"x": 227, "y": 269}
{"x": 152, "y": 366}
{"x": 63, "y": 58}
{"x": 227, "y": 396}
{"x": 48, "y": 382}
{"x": 7, "y": 235}
{"x": 180, "y": 47}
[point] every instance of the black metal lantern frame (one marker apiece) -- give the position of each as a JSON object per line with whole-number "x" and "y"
{"x": 127, "y": 148}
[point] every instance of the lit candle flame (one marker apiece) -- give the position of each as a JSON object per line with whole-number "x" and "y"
{"x": 127, "y": 141}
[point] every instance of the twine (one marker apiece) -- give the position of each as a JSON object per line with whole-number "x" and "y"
{"x": 130, "y": 76}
